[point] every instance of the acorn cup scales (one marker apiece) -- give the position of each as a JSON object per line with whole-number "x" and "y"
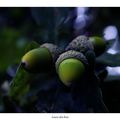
{"x": 81, "y": 44}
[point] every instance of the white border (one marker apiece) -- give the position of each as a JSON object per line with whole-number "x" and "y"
{"x": 62, "y": 3}
{"x": 60, "y": 116}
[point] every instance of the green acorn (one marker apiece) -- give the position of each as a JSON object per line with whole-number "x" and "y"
{"x": 71, "y": 66}
{"x": 40, "y": 59}
{"x": 99, "y": 44}
{"x": 81, "y": 44}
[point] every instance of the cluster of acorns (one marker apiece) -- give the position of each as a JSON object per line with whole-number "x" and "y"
{"x": 70, "y": 63}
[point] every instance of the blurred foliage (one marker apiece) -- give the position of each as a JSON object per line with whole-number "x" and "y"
{"x": 12, "y": 46}
{"x": 55, "y": 24}
{"x": 107, "y": 59}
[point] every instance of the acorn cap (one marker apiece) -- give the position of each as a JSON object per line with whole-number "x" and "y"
{"x": 71, "y": 54}
{"x": 81, "y": 44}
{"x": 55, "y": 51}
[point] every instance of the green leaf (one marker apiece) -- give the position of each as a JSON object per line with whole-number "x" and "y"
{"x": 20, "y": 85}
{"x": 31, "y": 46}
{"x": 109, "y": 59}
